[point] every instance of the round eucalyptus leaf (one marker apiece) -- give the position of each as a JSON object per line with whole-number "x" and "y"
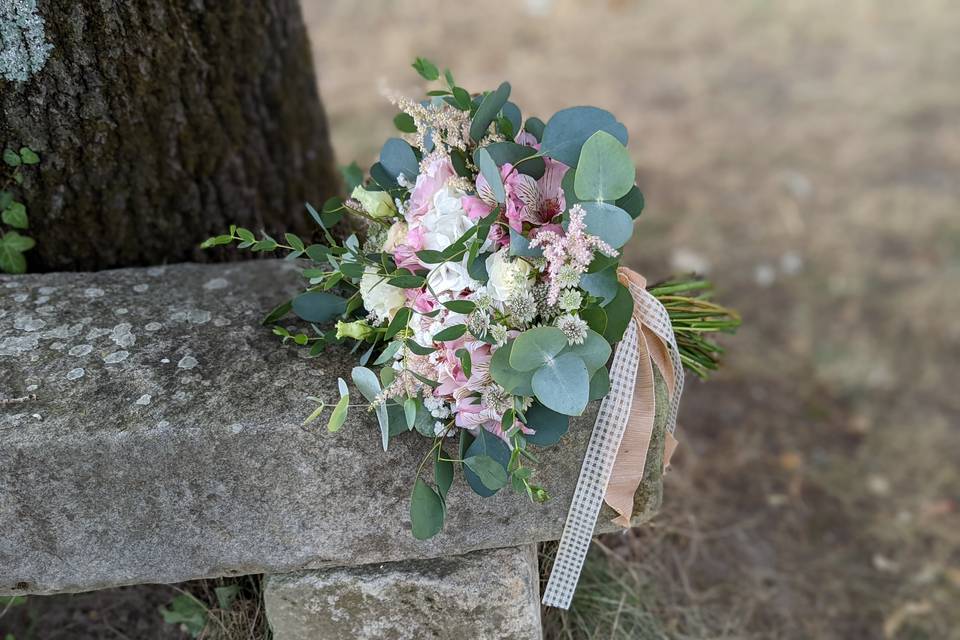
{"x": 516, "y": 382}
{"x": 632, "y": 203}
{"x": 567, "y": 131}
{"x": 398, "y": 157}
{"x": 594, "y": 351}
{"x": 511, "y": 112}
{"x": 318, "y": 307}
{"x": 602, "y": 284}
{"x": 609, "y": 222}
{"x": 605, "y": 170}
{"x": 426, "y": 511}
{"x": 596, "y": 318}
{"x": 548, "y": 424}
{"x": 520, "y": 246}
{"x": 535, "y": 347}
{"x": 534, "y": 126}
{"x": 563, "y": 385}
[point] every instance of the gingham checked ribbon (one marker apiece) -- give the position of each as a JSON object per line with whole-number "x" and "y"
{"x": 614, "y": 462}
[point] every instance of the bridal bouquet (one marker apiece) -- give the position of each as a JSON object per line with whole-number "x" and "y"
{"x": 484, "y": 297}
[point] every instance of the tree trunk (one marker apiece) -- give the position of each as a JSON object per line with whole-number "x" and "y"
{"x": 159, "y": 123}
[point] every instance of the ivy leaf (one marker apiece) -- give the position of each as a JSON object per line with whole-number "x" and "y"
{"x": 491, "y": 474}
{"x": 563, "y": 385}
{"x": 426, "y": 69}
{"x": 426, "y": 511}
{"x": 535, "y": 347}
{"x": 12, "y": 246}
{"x": 605, "y": 170}
{"x": 15, "y": 215}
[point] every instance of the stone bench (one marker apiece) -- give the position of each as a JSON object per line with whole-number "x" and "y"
{"x": 150, "y": 432}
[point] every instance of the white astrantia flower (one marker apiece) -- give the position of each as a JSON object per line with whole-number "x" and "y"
{"x": 570, "y": 300}
{"x": 507, "y": 277}
{"x": 446, "y": 220}
{"x": 574, "y": 328}
{"x": 382, "y": 300}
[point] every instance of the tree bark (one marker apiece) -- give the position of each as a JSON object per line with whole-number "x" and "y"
{"x": 159, "y": 123}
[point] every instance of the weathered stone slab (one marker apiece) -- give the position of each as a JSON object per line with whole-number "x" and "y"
{"x": 160, "y": 441}
{"x": 487, "y": 595}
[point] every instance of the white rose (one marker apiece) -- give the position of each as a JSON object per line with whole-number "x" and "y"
{"x": 379, "y": 298}
{"x": 446, "y": 221}
{"x": 396, "y": 234}
{"x": 451, "y": 277}
{"x": 506, "y": 276}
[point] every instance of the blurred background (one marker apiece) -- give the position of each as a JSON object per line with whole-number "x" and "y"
{"x": 804, "y": 156}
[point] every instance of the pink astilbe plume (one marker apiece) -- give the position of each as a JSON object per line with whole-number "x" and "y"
{"x": 568, "y": 255}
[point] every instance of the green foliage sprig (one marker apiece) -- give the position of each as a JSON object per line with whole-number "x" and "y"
{"x": 13, "y": 213}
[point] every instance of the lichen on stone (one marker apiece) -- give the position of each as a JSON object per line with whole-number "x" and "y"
{"x": 23, "y": 46}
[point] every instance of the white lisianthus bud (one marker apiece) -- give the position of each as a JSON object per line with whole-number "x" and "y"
{"x": 378, "y": 204}
{"x": 381, "y": 299}
{"x": 507, "y": 277}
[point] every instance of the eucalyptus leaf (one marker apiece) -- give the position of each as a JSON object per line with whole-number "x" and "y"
{"x": 410, "y": 411}
{"x": 450, "y": 333}
{"x": 398, "y": 157}
{"x": 548, "y": 424}
{"x": 567, "y": 131}
{"x": 600, "y": 384}
{"x": 369, "y": 385}
{"x": 535, "y": 347}
{"x": 605, "y": 170}
{"x": 563, "y": 385}
{"x": 489, "y": 471}
{"x": 534, "y": 126}
{"x": 339, "y": 414}
{"x": 426, "y": 511}
{"x": 504, "y": 152}
{"x": 609, "y": 222}
{"x": 318, "y": 307}
{"x": 520, "y": 246}
{"x": 602, "y": 284}
{"x": 511, "y": 112}
{"x": 442, "y": 474}
{"x": 487, "y": 111}
{"x": 485, "y": 444}
{"x": 632, "y": 203}
{"x": 619, "y": 311}
{"x": 491, "y": 173}
{"x": 594, "y": 351}
{"x": 518, "y": 383}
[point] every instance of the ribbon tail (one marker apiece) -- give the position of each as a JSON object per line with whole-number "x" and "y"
{"x": 631, "y": 458}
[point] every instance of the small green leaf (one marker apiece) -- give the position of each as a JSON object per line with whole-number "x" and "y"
{"x": 462, "y": 98}
{"x": 442, "y": 473}
{"x": 426, "y": 69}
{"x": 460, "y": 306}
{"x": 226, "y": 595}
{"x": 426, "y": 511}
{"x": 313, "y": 414}
{"x": 11, "y": 157}
{"x": 485, "y": 444}
{"x": 600, "y": 384}
{"x": 404, "y": 122}
{"x": 28, "y": 156}
{"x": 410, "y": 411}
{"x": 294, "y": 241}
{"x": 187, "y": 611}
{"x": 407, "y": 281}
{"x": 6, "y": 198}
{"x": 400, "y": 320}
{"x": 450, "y": 333}
{"x": 535, "y": 347}
{"x": 466, "y": 363}
{"x": 491, "y": 474}
{"x": 15, "y": 215}
{"x": 352, "y": 176}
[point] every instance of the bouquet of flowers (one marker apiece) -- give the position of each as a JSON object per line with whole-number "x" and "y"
{"x": 484, "y": 295}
